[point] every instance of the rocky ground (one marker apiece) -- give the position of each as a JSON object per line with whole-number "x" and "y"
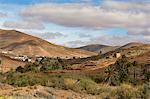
{"x": 39, "y": 92}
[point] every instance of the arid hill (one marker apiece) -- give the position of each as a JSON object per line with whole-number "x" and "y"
{"x": 130, "y": 48}
{"x": 132, "y": 44}
{"x": 143, "y": 58}
{"x": 22, "y": 44}
{"x": 98, "y": 48}
{"x": 92, "y": 47}
{"x": 134, "y": 49}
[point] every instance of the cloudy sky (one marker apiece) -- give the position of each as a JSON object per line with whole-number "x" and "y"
{"x": 75, "y": 23}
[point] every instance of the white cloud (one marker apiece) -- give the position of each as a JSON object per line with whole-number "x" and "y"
{"x": 49, "y": 35}
{"x": 115, "y": 39}
{"x": 23, "y": 25}
{"x": 110, "y": 14}
{"x": 76, "y": 43}
{"x": 83, "y": 35}
{"x": 139, "y": 31}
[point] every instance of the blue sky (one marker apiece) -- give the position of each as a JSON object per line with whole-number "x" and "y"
{"x": 26, "y": 2}
{"x": 76, "y": 23}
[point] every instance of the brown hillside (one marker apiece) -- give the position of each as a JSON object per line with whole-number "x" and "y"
{"x": 8, "y": 64}
{"x": 23, "y": 44}
{"x": 132, "y": 44}
{"x": 98, "y": 47}
{"x": 135, "y": 49}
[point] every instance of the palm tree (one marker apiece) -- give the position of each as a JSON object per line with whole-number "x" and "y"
{"x": 111, "y": 75}
{"x": 146, "y": 72}
{"x": 134, "y": 71}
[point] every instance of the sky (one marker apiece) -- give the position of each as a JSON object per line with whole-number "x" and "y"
{"x": 75, "y": 23}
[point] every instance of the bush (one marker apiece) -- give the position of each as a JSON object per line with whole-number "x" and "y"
{"x": 125, "y": 92}
{"x": 89, "y": 86}
{"x": 111, "y": 76}
{"x": 57, "y": 82}
{"x": 1, "y": 77}
{"x": 73, "y": 82}
{"x": 51, "y": 65}
{"x": 26, "y": 79}
{"x": 98, "y": 78}
{"x": 144, "y": 91}
{"x": 31, "y": 67}
{"x": 27, "y": 68}
{"x": 20, "y": 69}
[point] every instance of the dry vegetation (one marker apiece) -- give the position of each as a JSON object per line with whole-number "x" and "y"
{"x": 122, "y": 80}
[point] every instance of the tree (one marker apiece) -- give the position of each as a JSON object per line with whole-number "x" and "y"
{"x": 134, "y": 71}
{"x": 111, "y": 76}
{"x": 100, "y": 52}
{"x": 121, "y": 66}
{"x": 146, "y": 72}
{"x": 147, "y": 75}
{"x": 20, "y": 69}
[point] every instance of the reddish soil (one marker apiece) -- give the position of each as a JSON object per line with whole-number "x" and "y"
{"x": 99, "y": 66}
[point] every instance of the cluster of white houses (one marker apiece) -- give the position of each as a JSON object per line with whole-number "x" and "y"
{"x": 23, "y": 58}
{"x": 6, "y": 52}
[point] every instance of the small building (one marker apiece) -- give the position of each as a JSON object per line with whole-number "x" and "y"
{"x": 29, "y": 60}
{"x": 38, "y": 59}
{"x": 117, "y": 55}
{"x": 4, "y": 52}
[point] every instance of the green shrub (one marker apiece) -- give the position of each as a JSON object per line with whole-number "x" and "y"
{"x": 98, "y": 78}
{"x": 31, "y": 67}
{"x": 82, "y": 85}
{"x": 51, "y": 65}
{"x": 1, "y": 77}
{"x": 10, "y": 74}
{"x": 26, "y": 79}
{"x": 144, "y": 91}
{"x": 57, "y": 82}
{"x": 89, "y": 86}
{"x": 20, "y": 69}
{"x": 111, "y": 76}
{"x": 123, "y": 93}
